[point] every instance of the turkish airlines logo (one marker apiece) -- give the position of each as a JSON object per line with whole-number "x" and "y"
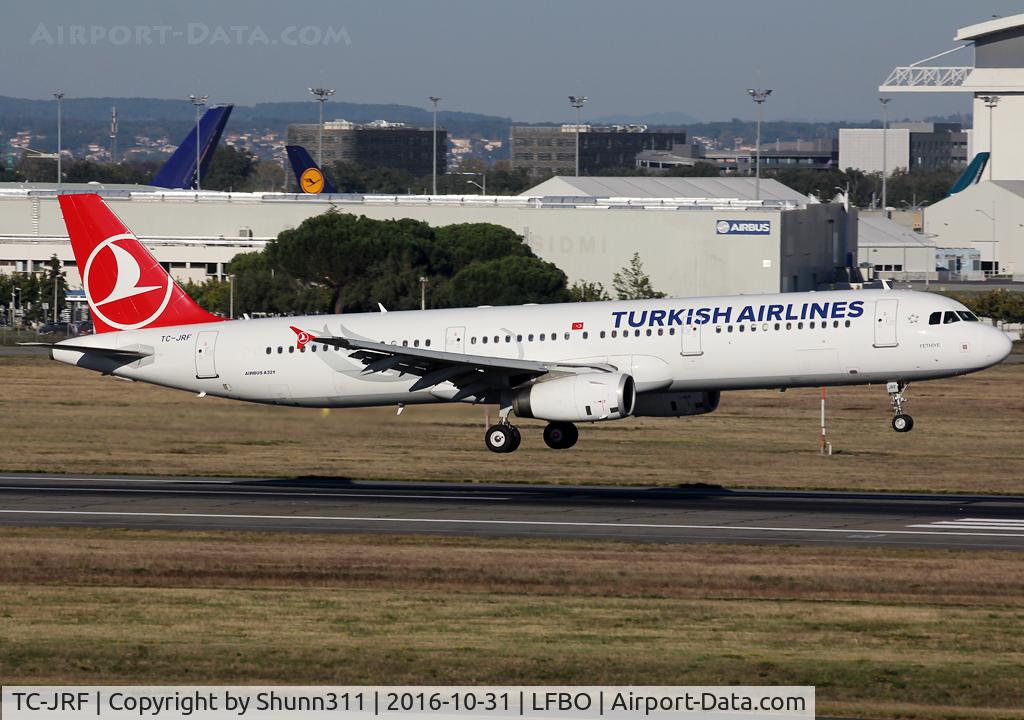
{"x": 120, "y": 293}
{"x": 302, "y": 338}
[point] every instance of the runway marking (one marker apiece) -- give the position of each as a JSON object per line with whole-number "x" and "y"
{"x": 538, "y": 523}
{"x": 976, "y": 524}
{"x": 71, "y": 488}
{"x": 184, "y": 481}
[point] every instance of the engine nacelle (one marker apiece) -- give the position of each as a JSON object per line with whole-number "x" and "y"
{"x": 578, "y": 398}
{"x": 676, "y": 404}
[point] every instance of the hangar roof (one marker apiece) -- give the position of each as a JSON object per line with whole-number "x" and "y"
{"x": 989, "y": 27}
{"x": 876, "y": 231}
{"x": 738, "y": 188}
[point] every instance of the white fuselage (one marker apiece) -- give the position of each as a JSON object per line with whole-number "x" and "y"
{"x": 723, "y": 343}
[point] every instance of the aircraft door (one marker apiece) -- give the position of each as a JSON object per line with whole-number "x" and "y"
{"x": 886, "y": 322}
{"x": 455, "y": 340}
{"x": 206, "y": 344}
{"x": 691, "y": 340}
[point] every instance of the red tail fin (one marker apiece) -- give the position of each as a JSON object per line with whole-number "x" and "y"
{"x": 126, "y": 287}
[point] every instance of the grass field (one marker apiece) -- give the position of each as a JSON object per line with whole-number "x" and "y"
{"x": 884, "y": 634}
{"x": 54, "y": 418}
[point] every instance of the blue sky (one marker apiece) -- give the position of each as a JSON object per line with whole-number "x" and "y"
{"x": 824, "y": 60}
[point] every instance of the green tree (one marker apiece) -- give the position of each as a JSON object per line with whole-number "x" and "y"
{"x": 230, "y": 169}
{"x": 583, "y": 291}
{"x": 632, "y": 283}
{"x": 1002, "y": 305}
{"x": 509, "y": 280}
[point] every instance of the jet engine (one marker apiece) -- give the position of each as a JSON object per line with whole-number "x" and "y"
{"x": 676, "y": 404}
{"x": 587, "y": 397}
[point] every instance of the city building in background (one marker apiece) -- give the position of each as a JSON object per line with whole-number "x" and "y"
{"x": 376, "y": 144}
{"x": 551, "y": 149}
{"x": 911, "y": 146}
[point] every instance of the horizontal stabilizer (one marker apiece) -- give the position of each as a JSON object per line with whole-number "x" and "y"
{"x": 109, "y": 352}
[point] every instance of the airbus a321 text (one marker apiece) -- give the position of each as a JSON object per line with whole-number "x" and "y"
{"x": 566, "y": 364}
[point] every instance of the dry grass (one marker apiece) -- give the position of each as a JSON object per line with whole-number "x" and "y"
{"x": 55, "y": 418}
{"x": 905, "y": 633}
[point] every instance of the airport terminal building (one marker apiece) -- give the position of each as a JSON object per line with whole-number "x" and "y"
{"x": 695, "y": 236}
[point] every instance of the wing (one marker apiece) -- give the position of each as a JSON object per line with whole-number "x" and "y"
{"x": 109, "y": 352}
{"x": 473, "y": 375}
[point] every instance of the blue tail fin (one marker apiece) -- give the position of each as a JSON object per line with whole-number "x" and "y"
{"x": 310, "y": 178}
{"x": 971, "y": 174}
{"x": 179, "y": 172}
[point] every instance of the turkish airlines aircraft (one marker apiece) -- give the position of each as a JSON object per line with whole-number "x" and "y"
{"x": 567, "y": 364}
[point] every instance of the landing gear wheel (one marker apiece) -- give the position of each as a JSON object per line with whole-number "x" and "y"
{"x": 502, "y": 438}
{"x": 517, "y": 438}
{"x": 561, "y": 435}
{"x": 903, "y": 423}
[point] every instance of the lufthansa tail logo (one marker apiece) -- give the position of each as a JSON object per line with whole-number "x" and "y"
{"x": 312, "y": 181}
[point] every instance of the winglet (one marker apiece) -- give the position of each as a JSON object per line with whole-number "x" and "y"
{"x": 303, "y": 338}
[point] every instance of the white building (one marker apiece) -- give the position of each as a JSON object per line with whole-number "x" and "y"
{"x": 861, "y": 149}
{"x": 716, "y": 240}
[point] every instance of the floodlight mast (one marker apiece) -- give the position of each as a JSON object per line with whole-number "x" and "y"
{"x": 433, "y": 168}
{"x": 321, "y": 95}
{"x": 578, "y": 101}
{"x": 199, "y": 101}
{"x": 759, "y": 97}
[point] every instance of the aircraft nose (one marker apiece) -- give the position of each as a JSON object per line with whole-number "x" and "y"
{"x": 998, "y": 344}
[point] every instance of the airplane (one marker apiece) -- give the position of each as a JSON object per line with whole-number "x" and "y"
{"x": 971, "y": 174}
{"x": 310, "y": 178}
{"x": 179, "y": 172}
{"x": 563, "y": 363}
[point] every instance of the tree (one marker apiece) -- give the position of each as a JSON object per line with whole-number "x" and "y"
{"x": 509, "y": 280}
{"x": 632, "y": 283}
{"x": 56, "y": 284}
{"x": 230, "y": 169}
{"x": 583, "y": 291}
{"x": 1002, "y": 305}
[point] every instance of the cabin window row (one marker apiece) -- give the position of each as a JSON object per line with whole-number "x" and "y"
{"x": 765, "y": 327}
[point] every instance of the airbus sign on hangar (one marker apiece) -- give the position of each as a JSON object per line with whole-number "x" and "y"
{"x": 695, "y": 236}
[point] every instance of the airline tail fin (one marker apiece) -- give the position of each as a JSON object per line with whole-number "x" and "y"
{"x": 179, "y": 172}
{"x": 308, "y": 175}
{"x": 971, "y": 174}
{"x": 126, "y": 287}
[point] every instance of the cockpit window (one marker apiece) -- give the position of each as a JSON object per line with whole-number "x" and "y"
{"x": 950, "y": 317}
{"x": 935, "y": 318}
{"x": 967, "y": 316}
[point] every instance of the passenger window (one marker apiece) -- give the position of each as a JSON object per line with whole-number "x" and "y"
{"x": 661, "y": 331}
{"x": 671, "y": 331}
{"x": 799, "y": 326}
{"x": 950, "y": 317}
{"x": 835, "y": 323}
{"x": 602, "y": 335}
{"x": 268, "y": 351}
{"x": 291, "y": 349}
{"x": 529, "y": 337}
{"x": 649, "y": 332}
{"x": 280, "y": 349}
{"x": 302, "y": 349}
{"x": 472, "y": 341}
{"x": 753, "y": 328}
{"x": 935, "y": 318}
{"x": 730, "y": 328}
{"x": 519, "y": 338}
{"x": 789, "y": 326}
{"x": 742, "y": 328}
{"x": 542, "y": 337}
{"x": 718, "y": 328}
{"x": 567, "y": 336}
{"x": 847, "y": 323}
{"x": 777, "y": 326}
{"x": 313, "y": 348}
{"x": 415, "y": 343}
{"x": 615, "y": 333}
{"x": 812, "y": 324}
{"x": 585, "y": 334}
{"x": 508, "y": 338}
{"x": 484, "y": 339}
{"x": 636, "y": 333}
{"x": 427, "y": 343}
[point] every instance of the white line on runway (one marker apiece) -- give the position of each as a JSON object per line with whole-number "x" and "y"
{"x": 544, "y": 523}
{"x": 183, "y": 481}
{"x": 243, "y": 493}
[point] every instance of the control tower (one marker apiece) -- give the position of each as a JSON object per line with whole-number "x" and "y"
{"x": 996, "y": 81}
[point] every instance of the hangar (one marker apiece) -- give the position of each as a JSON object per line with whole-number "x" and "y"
{"x": 713, "y": 240}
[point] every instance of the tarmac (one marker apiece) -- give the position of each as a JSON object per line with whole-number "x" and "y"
{"x": 679, "y": 515}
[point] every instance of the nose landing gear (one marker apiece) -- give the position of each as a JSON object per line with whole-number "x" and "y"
{"x": 900, "y": 422}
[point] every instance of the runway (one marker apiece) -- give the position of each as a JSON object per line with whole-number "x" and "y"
{"x": 687, "y": 514}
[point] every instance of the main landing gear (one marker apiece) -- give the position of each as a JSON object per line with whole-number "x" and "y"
{"x": 505, "y": 437}
{"x": 900, "y": 422}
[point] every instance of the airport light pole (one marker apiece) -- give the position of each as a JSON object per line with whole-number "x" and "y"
{"x": 198, "y": 101}
{"x": 423, "y": 292}
{"x": 990, "y": 102}
{"x": 433, "y": 168}
{"x": 483, "y": 186}
{"x": 321, "y": 95}
{"x": 231, "y": 297}
{"x": 759, "y": 97}
{"x": 59, "y": 96}
{"x": 578, "y": 101}
{"x": 885, "y": 145}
